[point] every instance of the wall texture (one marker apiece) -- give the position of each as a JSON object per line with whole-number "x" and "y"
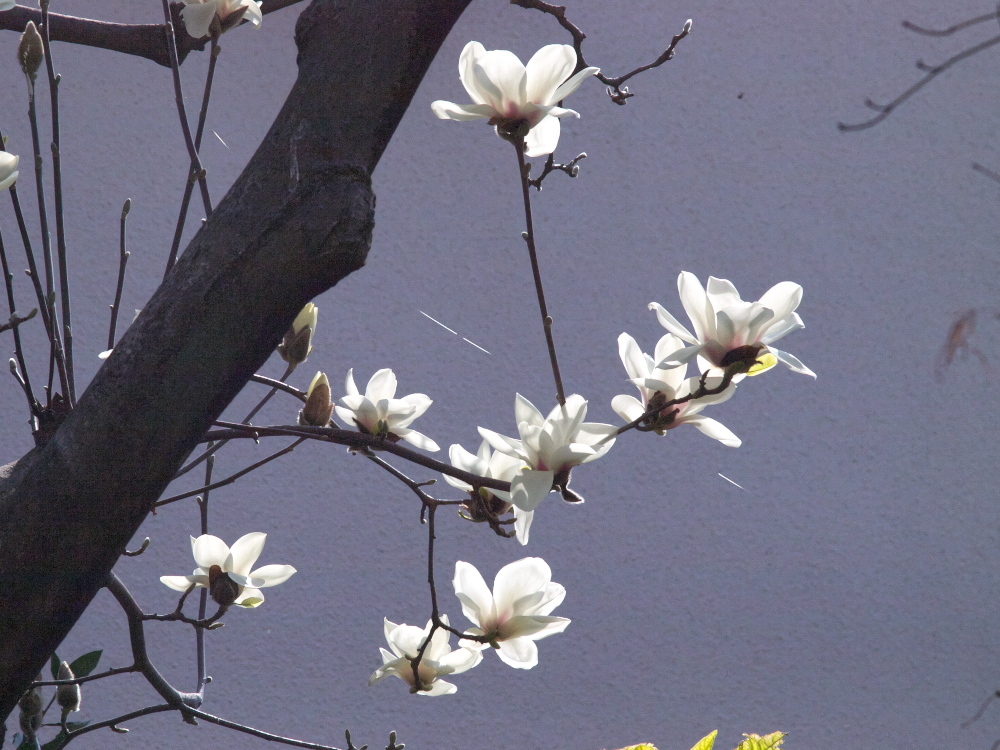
{"x": 846, "y": 595}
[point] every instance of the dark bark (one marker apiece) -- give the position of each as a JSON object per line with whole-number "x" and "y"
{"x": 297, "y": 221}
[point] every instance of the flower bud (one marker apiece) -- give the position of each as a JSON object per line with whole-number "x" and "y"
{"x": 31, "y": 703}
{"x": 68, "y": 696}
{"x": 8, "y": 169}
{"x": 224, "y": 589}
{"x": 31, "y": 51}
{"x": 687, "y": 26}
{"x": 319, "y": 406}
{"x": 296, "y": 347}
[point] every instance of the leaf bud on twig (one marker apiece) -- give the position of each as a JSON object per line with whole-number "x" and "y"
{"x": 68, "y": 696}
{"x": 319, "y": 406}
{"x": 296, "y": 347}
{"x": 31, "y": 52}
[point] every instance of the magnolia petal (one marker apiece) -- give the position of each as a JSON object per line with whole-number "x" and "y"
{"x": 522, "y": 524}
{"x": 473, "y": 593}
{"x": 462, "y": 112}
{"x": 517, "y": 580}
{"x": 632, "y": 357}
{"x": 671, "y": 323}
{"x": 501, "y": 79}
{"x": 543, "y": 138}
{"x": 783, "y": 298}
{"x": 461, "y": 660}
{"x": 253, "y": 13}
{"x": 627, "y": 407}
{"x": 791, "y": 362}
{"x": 183, "y": 583}
{"x": 466, "y": 64}
{"x": 440, "y": 687}
{"x": 548, "y": 68}
{"x": 245, "y": 552}
{"x": 722, "y": 293}
{"x": 520, "y": 653}
{"x": 715, "y": 430}
{"x": 697, "y": 305}
{"x": 573, "y": 83}
{"x": 502, "y": 443}
{"x": 525, "y": 411}
{"x": 534, "y": 627}
{"x": 381, "y": 386}
{"x": 250, "y": 598}
{"x": 680, "y": 357}
{"x": 209, "y": 550}
{"x": 198, "y": 17}
{"x": 418, "y": 439}
{"x": 529, "y": 487}
{"x": 271, "y": 575}
{"x": 10, "y": 180}
{"x": 782, "y": 328}
{"x": 668, "y": 344}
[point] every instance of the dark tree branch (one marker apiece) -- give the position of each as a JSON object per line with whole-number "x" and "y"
{"x": 931, "y": 72}
{"x": 297, "y": 221}
{"x": 142, "y": 40}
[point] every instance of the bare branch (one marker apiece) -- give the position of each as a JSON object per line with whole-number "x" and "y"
{"x": 951, "y": 29}
{"x": 932, "y": 72}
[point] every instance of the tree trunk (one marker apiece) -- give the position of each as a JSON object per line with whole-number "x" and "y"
{"x": 297, "y": 221}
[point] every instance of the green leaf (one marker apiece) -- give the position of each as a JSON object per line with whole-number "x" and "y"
{"x": 707, "y": 742}
{"x": 54, "y": 665}
{"x": 756, "y": 742}
{"x": 26, "y": 743}
{"x": 57, "y": 743}
{"x": 86, "y": 663}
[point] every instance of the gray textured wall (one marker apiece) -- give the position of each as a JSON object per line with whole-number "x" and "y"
{"x": 848, "y": 596}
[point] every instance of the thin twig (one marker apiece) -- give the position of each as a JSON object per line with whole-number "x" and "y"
{"x": 60, "y": 214}
{"x": 123, "y": 256}
{"x": 88, "y": 678}
{"x": 189, "y": 185}
{"x": 15, "y": 321}
{"x": 995, "y": 176}
{"x": 354, "y": 440}
{"x": 196, "y": 168}
{"x": 233, "y": 477}
{"x": 254, "y": 732}
{"x": 199, "y": 634}
{"x": 884, "y": 110}
{"x": 529, "y": 239}
{"x": 113, "y": 723}
{"x": 618, "y": 94}
{"x": 29, "y": 253}
{"x": 951, "y": 29}
{"x": 56, "y": 361}
{"x": 276, "y": 385}
{"x": 982, "y": 710}
{"x": 569, "y": 168}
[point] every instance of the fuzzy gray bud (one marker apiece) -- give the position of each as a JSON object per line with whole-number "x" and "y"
{"x": 31, "y": 51}
{"x": 68, "y": 696}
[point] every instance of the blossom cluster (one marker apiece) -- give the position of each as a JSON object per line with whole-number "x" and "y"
{"x": 510, "y": 618}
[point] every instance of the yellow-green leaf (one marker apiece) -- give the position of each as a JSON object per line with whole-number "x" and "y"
{"x": 641, "y": 746}
{"x": 706, "y": 743}
{"x": 756, "y": 742}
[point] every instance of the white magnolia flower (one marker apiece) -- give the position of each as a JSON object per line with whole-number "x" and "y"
{"x": 493, "y": 466}
{"x": 379, "y": 413}
{"x": 8, "y": 163}
{"x": 438, "y": 659}
{"x": 661, "y": 385}
{"x": 226, "y": 572}
{"x": 7, "y": 4}
{"x": 729, "y": 330}
{"x": 198, "y": 14}
{"x": 516, "y": 613}
{"x": 550, "y": 446}
{"x": 507, "y": 93}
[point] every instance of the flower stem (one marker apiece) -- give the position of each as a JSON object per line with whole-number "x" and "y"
{"x": 529, "y": 239}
